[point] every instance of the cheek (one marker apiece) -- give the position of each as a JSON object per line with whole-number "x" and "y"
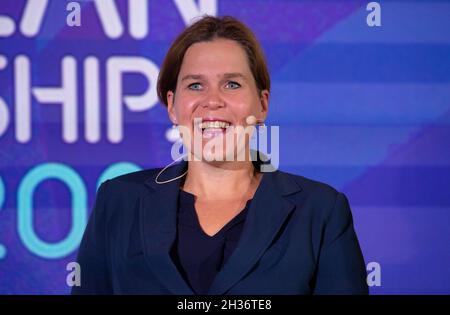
{"x": 184, "y": 109}
{"x": 246, "y": 106}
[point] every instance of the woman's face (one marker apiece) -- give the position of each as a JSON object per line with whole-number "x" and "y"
{"x": 215, "y": 86}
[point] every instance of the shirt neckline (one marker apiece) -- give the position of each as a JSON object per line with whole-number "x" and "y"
{"x": 188, "y": 200}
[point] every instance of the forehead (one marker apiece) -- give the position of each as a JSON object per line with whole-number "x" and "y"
{"x": 215, "y": 57}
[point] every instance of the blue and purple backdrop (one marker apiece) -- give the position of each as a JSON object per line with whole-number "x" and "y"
{"x": 365, "y": 109}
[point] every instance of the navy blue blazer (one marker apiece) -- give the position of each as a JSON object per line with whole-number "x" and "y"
{"x": 298, "y": 238}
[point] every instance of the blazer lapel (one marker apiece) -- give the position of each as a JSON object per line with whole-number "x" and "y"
{"x": 158, "y": 211}
{"x": 268, "y": 211}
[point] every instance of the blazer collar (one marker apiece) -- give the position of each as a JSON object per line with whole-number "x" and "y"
{"x": 158, "y": 211}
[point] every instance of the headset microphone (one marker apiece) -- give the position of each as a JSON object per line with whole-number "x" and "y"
{"x": 251, "y": 120}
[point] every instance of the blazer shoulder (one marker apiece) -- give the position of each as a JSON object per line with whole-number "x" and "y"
{"x": 122, "y": 192}
{"x": 322, "y": 196}
{"x": 312, "y": 186}
{"x": 133, "y": 182}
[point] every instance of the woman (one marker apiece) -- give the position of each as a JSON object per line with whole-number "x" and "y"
{"x": 212, "y": 225}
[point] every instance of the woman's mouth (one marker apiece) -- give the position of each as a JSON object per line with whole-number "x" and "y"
{"x": 213, "y": 128}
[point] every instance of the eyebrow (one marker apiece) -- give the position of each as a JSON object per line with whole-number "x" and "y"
{"x": 225, "y": 75}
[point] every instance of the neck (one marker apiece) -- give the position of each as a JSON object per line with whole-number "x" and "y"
{"x": 229, "y": 180}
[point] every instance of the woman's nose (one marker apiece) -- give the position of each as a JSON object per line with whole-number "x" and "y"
{"x": 214, "y": 101}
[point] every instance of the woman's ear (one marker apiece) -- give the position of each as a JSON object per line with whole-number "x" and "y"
{"x": 171, "y": 107}
{"x": 264, "y": 100}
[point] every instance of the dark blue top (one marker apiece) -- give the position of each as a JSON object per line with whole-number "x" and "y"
{"x": 198, "y": 256}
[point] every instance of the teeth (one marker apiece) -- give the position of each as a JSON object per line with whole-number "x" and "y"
{"x": 214, "y": 124}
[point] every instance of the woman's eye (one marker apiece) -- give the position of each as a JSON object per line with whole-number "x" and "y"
{"x": 195, "y": 86}
{"x": 233, "y": 85}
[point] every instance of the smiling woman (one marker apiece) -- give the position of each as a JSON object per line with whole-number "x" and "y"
{"x": 218, "y": 74}
{"x": 218, "y": 226}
